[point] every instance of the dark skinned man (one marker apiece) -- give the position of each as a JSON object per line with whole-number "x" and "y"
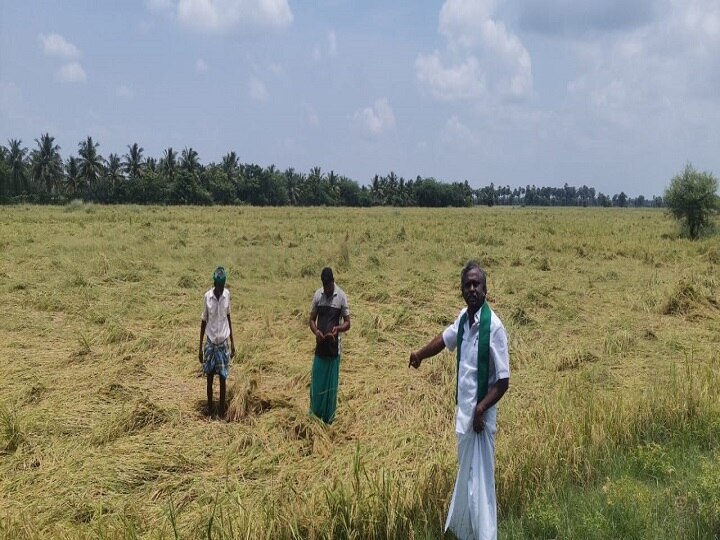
{"x": 329, "y": 316}
{"x": 217, "y": 327}
{"x": 483, "y": 376}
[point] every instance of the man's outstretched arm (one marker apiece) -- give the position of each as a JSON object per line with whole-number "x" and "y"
{"x": 436, "y": 345}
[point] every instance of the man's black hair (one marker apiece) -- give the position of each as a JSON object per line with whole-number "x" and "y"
{"x": 472, "y": 265}
{"x": 326, "y": 276}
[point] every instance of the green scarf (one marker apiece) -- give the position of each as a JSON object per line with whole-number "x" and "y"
{"x": 219, "y": 276}
{"x": 483, "y": 370}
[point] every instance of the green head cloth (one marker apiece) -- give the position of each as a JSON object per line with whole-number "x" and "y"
{"x": 219, "y": 276}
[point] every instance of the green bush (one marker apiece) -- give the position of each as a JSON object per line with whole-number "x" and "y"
{"x": 692, "y": 199}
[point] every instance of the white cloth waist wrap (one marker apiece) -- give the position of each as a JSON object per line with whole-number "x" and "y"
{"x": 473, "y": 509}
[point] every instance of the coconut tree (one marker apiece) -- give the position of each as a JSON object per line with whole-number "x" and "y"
{"x": 113, "y": 173}
{"x": 72, "y": 177}
{"x": 168, "y": 164}
{"x": 46, "y": 166}
{"x": 316, "y": 174}
{"x": 91, "y": 163}
{"x": 17, "y": 160}
{"x": 376, "y": 188}
{"x": 133, "y": 162}
{"x": 391, "y": 189}
{"x": 333, "y": 186}
{"x": 230, "y": 167}
{"x": 189, "y": 161}
{"x": 4, "y": 174}
{"x": 402, "y": 192}
{"x": 293, "y": 185}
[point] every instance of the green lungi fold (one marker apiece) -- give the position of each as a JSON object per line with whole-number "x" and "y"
{"x": 324, "y": 387}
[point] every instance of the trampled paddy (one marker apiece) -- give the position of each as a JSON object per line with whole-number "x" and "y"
{"x": 613, "y": 324}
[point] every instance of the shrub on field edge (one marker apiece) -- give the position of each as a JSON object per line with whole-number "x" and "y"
{"x": 692, "y": 198}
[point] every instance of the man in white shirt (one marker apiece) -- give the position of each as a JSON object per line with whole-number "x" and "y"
{"x": 217, "y": 327}
{"x": 483, "y": 376}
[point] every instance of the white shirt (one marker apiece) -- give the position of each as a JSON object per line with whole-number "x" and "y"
{"x": 498, "y": 368}
{"x": 215, "y": 312}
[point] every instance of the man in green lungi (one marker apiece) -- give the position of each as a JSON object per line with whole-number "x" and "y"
{"x": 329, "y": 306}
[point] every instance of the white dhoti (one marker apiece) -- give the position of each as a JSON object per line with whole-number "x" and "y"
{"x": 473, "y": 509}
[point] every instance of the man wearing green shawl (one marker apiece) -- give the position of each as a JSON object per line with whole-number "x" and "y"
{"x": 483, "y": 376}
{"x": 329, "y": 306}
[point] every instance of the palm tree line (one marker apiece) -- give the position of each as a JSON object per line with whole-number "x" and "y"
{"x": 41, "y": 175}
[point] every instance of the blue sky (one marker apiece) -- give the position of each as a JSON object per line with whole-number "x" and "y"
{"x": 616, "y": 94}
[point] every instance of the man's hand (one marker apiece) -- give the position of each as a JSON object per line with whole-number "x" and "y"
{"x": 415, "y": 360}
{"x": 200, "y": 355}
{"x": 332, "y": 334}
{"x": 232, "y": 350}
{"x": 479, "y": 419}
{"x": 319, "y": 336}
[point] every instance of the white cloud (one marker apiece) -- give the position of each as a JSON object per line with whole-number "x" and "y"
{"x": 312, "y": 116}
{"x": 587, "y": 17}
{"x": 508, "y": 48}
{"x": 610, "y": 100}
{"x": 124, "y": 91}
{"x": 72, "y": 72}
{"x": 11, "y": 100}
{"x": 455, "y": 132}
{"x": 160, "y": 5}
{"x": 460, "y": 20}
{"x": 376, "y": 119}
{"x": 702, "y": 17}
{"x": 332, "y": 43}
{"x": 217, "y": 16}
{"x": 257, "y": 90}
{"x": 58, "y": 46}
{"x": 329, "y": 50}
{"x": 201, "y": 66}
{"x": 276, "y": 68}
{"x": 639, "y": 80}
{"x": 486, "y": 57}
{"x": 464, "y": 81}
{"x": 144, "y": 26}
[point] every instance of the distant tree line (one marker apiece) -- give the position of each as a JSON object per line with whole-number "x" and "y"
{"x": 41, "y": 175}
